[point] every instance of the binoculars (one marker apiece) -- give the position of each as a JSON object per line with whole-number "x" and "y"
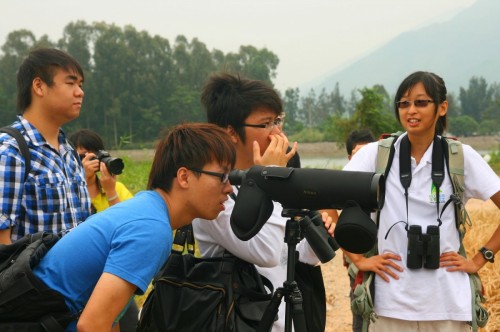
{"x": 423, "y": 249}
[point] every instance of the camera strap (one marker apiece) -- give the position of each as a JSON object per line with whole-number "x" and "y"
{"x": 437, "y": 173}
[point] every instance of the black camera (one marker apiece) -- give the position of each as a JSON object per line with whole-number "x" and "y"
{"x": 114, "y": 165}
{"x": 423, "y": 249}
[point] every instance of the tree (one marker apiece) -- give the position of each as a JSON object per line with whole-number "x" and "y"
{"x": 192, "y": 62}
{"x": 309, "y": 108}
{"x": 15, "y": 49}
{"x": 338, "y": 102}
{"x": 253, "y": 63}
{"x": 291, "y": 108}
{"x": 463, "y": 125}
{"x": 372, "y": 112}
{"x": 476, "y": 98}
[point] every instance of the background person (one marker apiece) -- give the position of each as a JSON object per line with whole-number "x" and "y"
{"x": 355, "y": 141}
{"x": 251, "y": 113}
{"x": 54, "y": 196}
{"x": 104, "y": 190}
{"x": 100, "y": 264}
{"x": 423, "y": 299}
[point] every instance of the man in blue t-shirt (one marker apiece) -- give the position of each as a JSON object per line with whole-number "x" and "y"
{"x": 100, "y": 264}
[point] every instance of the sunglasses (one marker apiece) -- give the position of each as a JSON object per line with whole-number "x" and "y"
{"x": 417, "y": 103}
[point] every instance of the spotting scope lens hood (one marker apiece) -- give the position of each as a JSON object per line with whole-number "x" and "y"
{"x": 355, "y": 231}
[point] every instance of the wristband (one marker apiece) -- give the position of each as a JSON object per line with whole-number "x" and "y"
{"x": 112, "y": 198}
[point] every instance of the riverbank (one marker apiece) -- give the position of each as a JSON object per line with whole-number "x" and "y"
{"x": 336, "y": 150}
{"x": 326, "y": 149}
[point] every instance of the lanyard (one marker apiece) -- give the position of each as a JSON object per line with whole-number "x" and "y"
{"x": 437, "y": 173}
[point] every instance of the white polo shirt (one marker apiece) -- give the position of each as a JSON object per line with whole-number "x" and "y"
{"x": 423, "y": 294}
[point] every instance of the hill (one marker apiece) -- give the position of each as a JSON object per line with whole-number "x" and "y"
{"x": 465, "y": 46}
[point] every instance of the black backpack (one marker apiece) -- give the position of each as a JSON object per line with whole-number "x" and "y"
{"x": 26, "y": 303}
{"x": 219, "y": 294}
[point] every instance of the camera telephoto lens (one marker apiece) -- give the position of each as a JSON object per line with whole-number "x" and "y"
{"x": 115, "y": 165}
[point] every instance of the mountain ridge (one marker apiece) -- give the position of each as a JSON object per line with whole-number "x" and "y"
{"x": 467, "y": 45}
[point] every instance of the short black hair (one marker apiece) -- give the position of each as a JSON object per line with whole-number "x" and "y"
{"x": 229, "y": 99}
{"x": 191, "y": 145}
{"x": 356, "y": 137}
{"x": 87, "y": 139}
{"x": 42, "y": 62}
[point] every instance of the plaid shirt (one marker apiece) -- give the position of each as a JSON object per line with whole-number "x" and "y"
{"x": 54, "y": 196}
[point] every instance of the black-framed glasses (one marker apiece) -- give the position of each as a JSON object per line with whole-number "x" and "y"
{"x": 278, "y": 122}
{"x": 224, "y": 177}
{"x": 417, "y": 103}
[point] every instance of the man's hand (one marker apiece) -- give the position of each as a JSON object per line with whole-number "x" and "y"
{"x": 328, "y": 220}
{"x": 275, "y": 153}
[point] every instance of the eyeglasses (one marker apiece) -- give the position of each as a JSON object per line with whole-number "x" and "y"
{"x": 224, "y": 177}
{"x": 417, "y": 103}
{"x": 278, "y": 122}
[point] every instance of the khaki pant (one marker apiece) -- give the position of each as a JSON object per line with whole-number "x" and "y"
{"x": 385, "y": 324}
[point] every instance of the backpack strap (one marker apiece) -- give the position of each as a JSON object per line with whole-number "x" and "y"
{"x": 23, "y": 146}
{"x": 454, "y": 155}
{"x": 385, "y": 155}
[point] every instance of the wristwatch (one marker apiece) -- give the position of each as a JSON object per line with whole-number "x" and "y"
{"x": 487, "y": 254}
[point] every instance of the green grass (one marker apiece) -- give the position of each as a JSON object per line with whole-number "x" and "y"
{"x": 495, "y": 160}
{"x": 135, "y": 174}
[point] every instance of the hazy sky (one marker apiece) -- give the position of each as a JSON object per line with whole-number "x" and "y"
{"x": 311, "y": 37}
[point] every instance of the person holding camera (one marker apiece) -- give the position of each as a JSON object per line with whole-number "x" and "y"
{"x": 51, "y": 195}
{"x": 104, "y": 190}
{"x": 421, "y": 280}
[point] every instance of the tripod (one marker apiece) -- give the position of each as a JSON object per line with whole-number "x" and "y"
{"x": 290, "y": 291}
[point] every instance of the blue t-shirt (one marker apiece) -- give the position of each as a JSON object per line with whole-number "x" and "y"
{"x": 131, "y": 240}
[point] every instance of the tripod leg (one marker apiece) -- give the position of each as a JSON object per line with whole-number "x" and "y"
{"x": 297, "y": 311}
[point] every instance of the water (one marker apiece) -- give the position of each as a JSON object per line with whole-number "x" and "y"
{"x": 321, "y": 162}
{"x": 339, "y": 163}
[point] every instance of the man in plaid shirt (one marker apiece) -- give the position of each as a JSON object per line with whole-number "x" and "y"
{"x": 53, "y": 197}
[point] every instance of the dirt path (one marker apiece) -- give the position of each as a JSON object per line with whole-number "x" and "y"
{"x": 338, "y": 307}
